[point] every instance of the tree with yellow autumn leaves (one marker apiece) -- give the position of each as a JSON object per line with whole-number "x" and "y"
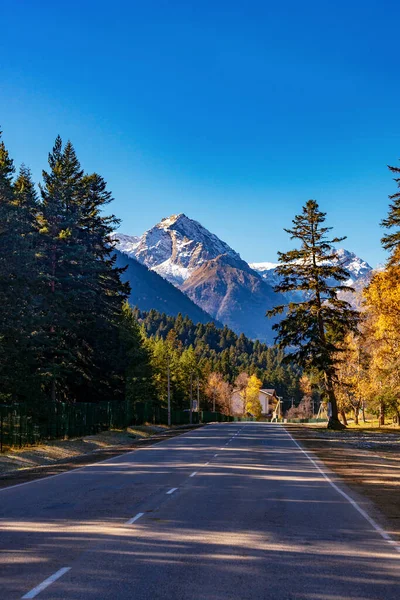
{"x": 382, "y": 299}
{"x": 253, "y": 404}
{"x": 382, "y": 320}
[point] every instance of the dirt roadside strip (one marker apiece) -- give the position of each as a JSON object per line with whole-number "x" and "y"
{"x": 78, "y": 453}
{"x": 368, "y": 462}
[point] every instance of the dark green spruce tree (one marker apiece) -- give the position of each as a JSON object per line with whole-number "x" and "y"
{"x": 313, "y": 328}
{"x": 134, "y": 359}
{"x": 18, "y": 212}
{"x": 22, "y": 355}
{"x": 82, "y": 292}
{"x": 391, "y": 241}
{"x": 104, "y": 293}
{"x": 7, "y": 267}
{"x": 65, "y": 358}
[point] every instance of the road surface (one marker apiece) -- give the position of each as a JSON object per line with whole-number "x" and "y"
{"x": 223, "y": 512}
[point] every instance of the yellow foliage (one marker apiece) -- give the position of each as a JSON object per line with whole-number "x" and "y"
{"x": 253, "y": 404}
{"x": 352, "y": 379}
{"x": 382, "y": 299}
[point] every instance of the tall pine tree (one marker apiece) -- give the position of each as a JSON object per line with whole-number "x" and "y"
{"x": 391, "y": 241}
{"x": 21, "y": 357}
{"x": 105, "y": 293}
{"x": 313, "y": 329}
{"x": 82, "y": 293}
{"x": 18, "y": 212}
{"x": 7, "y": 267}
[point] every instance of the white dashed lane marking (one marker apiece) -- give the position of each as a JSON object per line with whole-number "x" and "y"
{"x": 42, "y": 586}
{"x": 134, "y": 519}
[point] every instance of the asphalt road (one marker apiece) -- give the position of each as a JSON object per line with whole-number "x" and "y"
{"x": 223, "y": 512}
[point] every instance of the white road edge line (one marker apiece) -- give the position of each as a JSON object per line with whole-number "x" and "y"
{"x": 135, "y": 518}
{"x": 358, "y": 508}
{"x": 172, "y": 490}
{"x": 193, "y": 474}
{"x": 205, "y": 464}
{"x": 42, "y": 586}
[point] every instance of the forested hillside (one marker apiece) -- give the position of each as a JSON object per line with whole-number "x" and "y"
{"x": 218, "y": 350}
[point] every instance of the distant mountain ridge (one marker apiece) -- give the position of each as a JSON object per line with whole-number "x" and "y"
{"x": 357, "y": 268}
{"x": 215, "y": 277}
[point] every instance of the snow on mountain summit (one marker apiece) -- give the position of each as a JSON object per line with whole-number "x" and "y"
{"x": 176, "y": 246}
{"x": 353, "y": 264}
{"x": 356, "y": 267}
{"x": 125, "y": 243}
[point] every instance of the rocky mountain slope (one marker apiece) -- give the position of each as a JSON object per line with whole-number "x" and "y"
{"x": 175, "y": 247}
{"x": 233, "y": 294}
{"x": 208, "y": 271}
{"x": 149, "y": 290}
{"x": 214, "y": 276}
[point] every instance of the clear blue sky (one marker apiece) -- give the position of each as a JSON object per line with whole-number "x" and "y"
{"x": 233, "y": 112}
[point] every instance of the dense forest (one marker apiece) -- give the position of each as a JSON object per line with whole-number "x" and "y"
{"x": 67, "y": 333}
{"x": 205, "y": 350}
{"x": 62, "y": 329}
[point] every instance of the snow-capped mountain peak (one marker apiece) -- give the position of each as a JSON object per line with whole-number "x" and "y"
{"x": 353, "y": 264}
{"x": 125, "y": 243}
{"x": 261, "y": 267}
{"x": 214, "y": 276}
{"x": 175, "y": 247}
{"x": 356, "y": 267}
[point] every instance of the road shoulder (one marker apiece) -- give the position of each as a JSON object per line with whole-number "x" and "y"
{"x": 78, "y": 453}
{"x": 369, "y": 470}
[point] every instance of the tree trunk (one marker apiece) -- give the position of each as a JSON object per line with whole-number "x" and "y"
{"x": 363, "y": 412}
{"x": 343, "y": 415}
{"x": 333, "y": 422}
{"x": 356, "y": 412}
{"x": 381, "y": 413}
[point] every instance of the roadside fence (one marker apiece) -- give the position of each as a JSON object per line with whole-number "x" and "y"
{"x": 57, "y": 420}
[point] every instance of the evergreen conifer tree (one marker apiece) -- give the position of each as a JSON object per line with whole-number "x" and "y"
{"x": 134, "y": 358}
{"x": 391, "y": 241}
{"x": 82, "y": 293}
{"x": 7, "y": 270}
{"x": 61, "y": 258}
{"x": 21, "y": 353}
{"x": 313, "y": 329}
{"x": 103, "y": 292}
